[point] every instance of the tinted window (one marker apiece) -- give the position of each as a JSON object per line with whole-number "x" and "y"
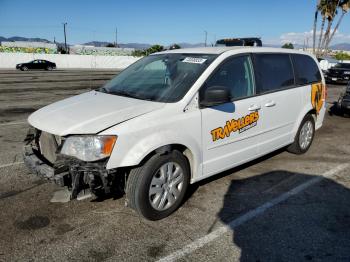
{"x": 236, "y": 75}
{"x": 306, "y": 70}
{"x": 273, "y": 72}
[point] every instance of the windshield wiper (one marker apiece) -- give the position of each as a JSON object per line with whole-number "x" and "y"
{"x": 102, "y": 89}
{"x": 123, "y": 93}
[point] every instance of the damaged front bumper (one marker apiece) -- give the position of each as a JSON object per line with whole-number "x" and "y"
{"x": 37, "y": 166}
{"x": 78, "y": 176}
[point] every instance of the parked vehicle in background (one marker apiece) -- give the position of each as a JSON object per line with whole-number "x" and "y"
{"x": 38, "y": 64}
{"x": 176, "y": 117}
{"x": 343, "y": 104}
{"x": 327, "y": 63}
{"x": 340, "y": 73}
{"x": 251, "y": 41}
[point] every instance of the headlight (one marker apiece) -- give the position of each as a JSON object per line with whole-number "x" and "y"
{"x": 89, "y": 148}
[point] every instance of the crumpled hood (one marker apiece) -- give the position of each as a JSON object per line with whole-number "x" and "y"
{"x": 89, "y": 113}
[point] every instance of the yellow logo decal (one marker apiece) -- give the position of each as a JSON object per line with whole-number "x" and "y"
{"x": 317, "y": 91}
{"x": 242, "y": 124}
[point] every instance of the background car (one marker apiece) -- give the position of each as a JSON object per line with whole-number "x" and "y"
{"x": 37, "y": 64}
{"x": 343, "y": 105}
{"x": 340, "y": 73}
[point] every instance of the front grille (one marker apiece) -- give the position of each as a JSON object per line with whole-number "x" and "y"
{"x": 48, "y": 146}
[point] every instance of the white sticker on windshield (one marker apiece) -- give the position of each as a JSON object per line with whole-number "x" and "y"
{"x": 194, "y": 60}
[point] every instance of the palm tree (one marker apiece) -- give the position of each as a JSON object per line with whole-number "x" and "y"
{"x": 323, "y": 7}
{"x": 315, "y": 25}
{"x": 332, "y": 11}
{"x": 345, "y": 6}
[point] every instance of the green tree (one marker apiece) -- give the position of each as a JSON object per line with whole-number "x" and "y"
{"x": 288, "y": 46}
{"x": 342, "y": 56}
{"x": 154, "y": 49}
{"x": 174, "y": 46}
{"x": 138, "y": 53}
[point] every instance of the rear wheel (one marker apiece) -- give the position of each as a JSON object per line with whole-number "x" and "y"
{"x": 157, "y": 188}
{"x": 304, "y": 136}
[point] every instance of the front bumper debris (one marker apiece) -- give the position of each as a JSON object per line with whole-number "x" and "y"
{"x": 37, "y": 166}
{"x": 78, "y": 176}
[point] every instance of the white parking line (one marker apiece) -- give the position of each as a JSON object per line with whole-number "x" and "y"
{"x": 13, "y": 123}
{"x": 200, "y": 242}
{"x": 12, "y": 164}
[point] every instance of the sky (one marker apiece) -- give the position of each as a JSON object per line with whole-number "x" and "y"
{"x": 163, "y": 22}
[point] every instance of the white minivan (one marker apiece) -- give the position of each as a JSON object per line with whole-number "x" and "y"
{"x": 174, "y": 118}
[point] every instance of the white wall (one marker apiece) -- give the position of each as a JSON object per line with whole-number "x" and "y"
{"x": 9, "y": 60}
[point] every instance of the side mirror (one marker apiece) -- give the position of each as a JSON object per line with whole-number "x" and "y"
{"x": 215, "y": 95}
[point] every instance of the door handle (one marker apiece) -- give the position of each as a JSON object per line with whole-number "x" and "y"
{"x": 270, "y": 103}
{"x": 254, "y": 107}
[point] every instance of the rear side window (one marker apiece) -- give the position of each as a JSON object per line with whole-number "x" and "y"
{"x": 273, "y": 72}
{"x": 306, "y": 70}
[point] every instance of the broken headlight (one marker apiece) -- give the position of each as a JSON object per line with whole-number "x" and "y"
{"x": 89, "y": 148}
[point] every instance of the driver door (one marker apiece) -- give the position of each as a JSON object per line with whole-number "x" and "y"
{"x": 35, "y": 64}
{"x": 230, "y": 131}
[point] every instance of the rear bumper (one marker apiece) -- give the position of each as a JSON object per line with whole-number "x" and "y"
{"x": 345, "y": 105}
{"x": 337, "y": 79}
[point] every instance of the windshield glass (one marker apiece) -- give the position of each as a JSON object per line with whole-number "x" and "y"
{"x": 342, "y": 65}
{"x": 161, "y": 78}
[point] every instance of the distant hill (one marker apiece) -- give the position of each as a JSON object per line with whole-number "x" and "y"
{"x": 20, "y": 38}
{"x": 128, "y": 45}
{"x": 135, "y": 45}
{"x": 342, "y": 46}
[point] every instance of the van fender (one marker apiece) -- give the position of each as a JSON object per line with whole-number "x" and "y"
{"x": 139, "y": 151}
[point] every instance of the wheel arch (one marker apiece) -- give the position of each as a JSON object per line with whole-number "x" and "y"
{"x": 165, "y": 149}
{"x": 305, "y": 112}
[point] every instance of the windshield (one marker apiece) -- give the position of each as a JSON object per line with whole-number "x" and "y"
{"x": 342, "y": 65}
{"x": 161, "y": 78}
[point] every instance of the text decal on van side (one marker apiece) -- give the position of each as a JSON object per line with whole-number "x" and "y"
{"x": 242, "y": 124}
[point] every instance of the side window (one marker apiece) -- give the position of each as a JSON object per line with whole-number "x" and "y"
{"x": 35, "y": 61}
{"x": 236, "y": 75}
{"x": 306, "y": 70}
{"x": 273, "y": 72}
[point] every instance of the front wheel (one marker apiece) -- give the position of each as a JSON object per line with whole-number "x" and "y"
{"x": 304, "y": 136}
{"x": 49, "y": 68}
{"x": 157, "y": 188}
{"x": 24, "y": 68}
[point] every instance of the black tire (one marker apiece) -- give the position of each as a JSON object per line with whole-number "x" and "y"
{"x": 339, "y": 108}
{"x": 49, "y": 68}
{"x": 296, "y": 148}
{"x": 139, "y": 181}
{"x": 24, "y": 68}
